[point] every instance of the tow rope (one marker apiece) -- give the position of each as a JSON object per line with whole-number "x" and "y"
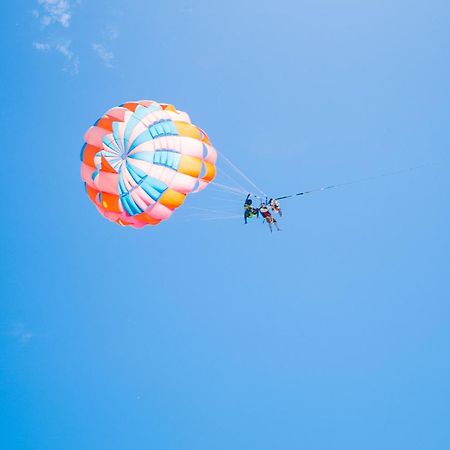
{"x": 362, "y": 180}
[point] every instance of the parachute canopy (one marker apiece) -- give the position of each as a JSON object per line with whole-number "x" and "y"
{"x": 141, "y": 159}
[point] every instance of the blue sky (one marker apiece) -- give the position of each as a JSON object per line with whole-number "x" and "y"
{"x": 211, "y": 335}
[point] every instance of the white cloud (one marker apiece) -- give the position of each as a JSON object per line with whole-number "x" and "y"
{"x": 73, "y": 61}
{"x": 111, "y": 32}
{"x": 20, "y": 333}
{"x": 117, "y": 12}
{"x": 63, "y": 48}
{"x": 105, "y": 55}
{"x": 42, "y": 46}
{"x": 60, "y": 12}
{"x": 55, "y": 11}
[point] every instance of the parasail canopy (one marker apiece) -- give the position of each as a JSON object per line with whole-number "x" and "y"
{"x": 141, "y": 159}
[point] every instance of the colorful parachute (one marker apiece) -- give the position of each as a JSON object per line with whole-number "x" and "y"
{"x": 141, "y": 159}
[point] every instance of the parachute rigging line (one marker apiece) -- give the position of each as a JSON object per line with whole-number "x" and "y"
{"x": 223, "y": 173}
{"x": 242, "y": 174}
{"x": 229, "y": 189}
{"x": 361, "y": 180}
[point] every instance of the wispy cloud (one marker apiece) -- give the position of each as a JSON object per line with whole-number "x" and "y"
{"x": 117, "y": 12}
{"x": 186, "y": 8}
{"x": 20, "y": 333}
{"x": 72, "y": 60}
{"x": 59, "y": 13}
{"x": 63, "y": 48}
{"x": 111, "y": 32}
{"x": 42, "y": 46}
{"x": 104, "y": 54}
{"x": 54, "y": 11}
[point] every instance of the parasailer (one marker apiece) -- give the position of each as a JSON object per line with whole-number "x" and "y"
{"x": 265, "y": 213}
{"x": 141, "y": 159}
{"x": 275, "y": 206}
{"x": 249, "y": 210}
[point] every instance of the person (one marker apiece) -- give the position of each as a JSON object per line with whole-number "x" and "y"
{"x": 264, "y": 210}
{"x": 249, "y": 210}
{"x": 275, "y": 205}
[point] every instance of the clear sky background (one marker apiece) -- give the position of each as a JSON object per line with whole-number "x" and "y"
{"x": 333, "y": 334}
